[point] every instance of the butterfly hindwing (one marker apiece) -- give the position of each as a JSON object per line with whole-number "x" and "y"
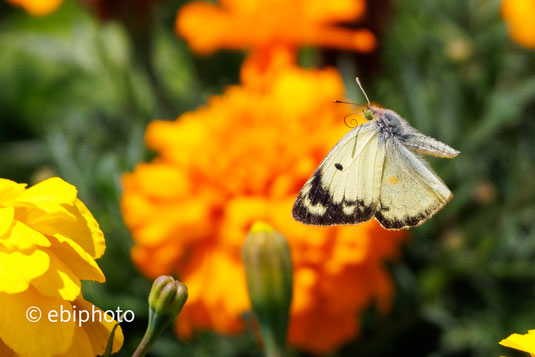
{"x": 410, "y": 191}
{"x": 346, "y": 186}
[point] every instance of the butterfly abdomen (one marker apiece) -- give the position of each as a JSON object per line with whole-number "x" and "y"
{"x": 393, "y": 125}
{"x": 426, "y": 145}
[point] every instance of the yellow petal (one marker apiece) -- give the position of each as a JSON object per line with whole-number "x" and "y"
{"x": 508, "y": 342}
{"x": 58, "y": 281}
{"x": 6, "y": 219}
{"x": 83, "y": 229}
{"x": 94, "y": 242}
{"x": 18, "y": 269}
{"x": 50, "y": 197}
{"x": 41, "y": 338}
{"x": 76, "y": 258}
{"x": 51, "y": 190}
{"x": 22, "y": 237}
{"x": 524, "y": 343}
{"x": 6, "y": 351}
{"x": 99, "y": 332}
{"x": 34, "y": 214}
{"x": 9, "y": 190}
{"x": 80, "y": 346}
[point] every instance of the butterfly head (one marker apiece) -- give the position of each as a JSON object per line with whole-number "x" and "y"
{"x": 368, "y": 113}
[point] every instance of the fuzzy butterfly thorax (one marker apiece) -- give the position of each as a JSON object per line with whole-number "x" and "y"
{"x": 376, "y": 170}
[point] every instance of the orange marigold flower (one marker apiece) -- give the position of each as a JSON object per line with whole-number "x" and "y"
{"x": 256, "y": 24}
{"x": 38, "y": 7}
{"x": 244, "y": 157}
{"x": 272, "y": 30}
{"x": 518, "y": 14}
{"x": 48, "y": 243}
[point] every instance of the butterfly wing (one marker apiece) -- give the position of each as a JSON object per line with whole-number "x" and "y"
{"x": 426, "y": 145}
{"x": 410, "y": 191}
{"x": 346, "y": 186}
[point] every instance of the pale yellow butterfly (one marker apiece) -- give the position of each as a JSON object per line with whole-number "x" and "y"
{"x": 376, "y": 170}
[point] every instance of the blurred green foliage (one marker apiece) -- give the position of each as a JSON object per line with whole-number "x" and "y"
{"x": 76, "y": 94}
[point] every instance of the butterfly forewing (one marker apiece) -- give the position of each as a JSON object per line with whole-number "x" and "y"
{"x": 345, "y": 188}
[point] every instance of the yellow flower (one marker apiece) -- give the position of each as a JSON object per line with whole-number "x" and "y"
{"x": 243, "y": 158}
{"x": 48, "y": 243}
{"x": 519, "y": 342}
{"x": 38, "y": 7}
{"x": 518, "y": 14}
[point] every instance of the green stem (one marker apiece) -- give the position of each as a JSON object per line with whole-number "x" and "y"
{"x": 157, "y": 323}
{"x": 272, "y": 344}
{"x": 144, "y": 345}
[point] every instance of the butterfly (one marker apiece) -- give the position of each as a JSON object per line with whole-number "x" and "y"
{"x": 376, "y": 170}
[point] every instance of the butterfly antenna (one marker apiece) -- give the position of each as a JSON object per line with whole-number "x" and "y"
{"x": 362, "y": 89}
{"x": 342, "y": 102}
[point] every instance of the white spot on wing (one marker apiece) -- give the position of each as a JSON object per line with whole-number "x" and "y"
{"x": 317, "y": 209}
{"x": 348, "y": 210}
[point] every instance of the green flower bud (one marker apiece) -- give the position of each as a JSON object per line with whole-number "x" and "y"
{"x": 268, "y": 268}
{"x": 166, "y": 299}
{"x": 167, "y": 296}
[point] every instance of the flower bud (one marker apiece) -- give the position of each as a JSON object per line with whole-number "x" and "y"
{"x": 268, "y": 269}
{"x": 166, "y": 299}
{"x": 167, "y": 296}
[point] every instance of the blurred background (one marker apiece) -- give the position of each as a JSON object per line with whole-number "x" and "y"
{"x": 80, "y": 81}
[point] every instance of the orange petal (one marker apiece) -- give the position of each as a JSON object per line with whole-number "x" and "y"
{"x": 38, "y": 7}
